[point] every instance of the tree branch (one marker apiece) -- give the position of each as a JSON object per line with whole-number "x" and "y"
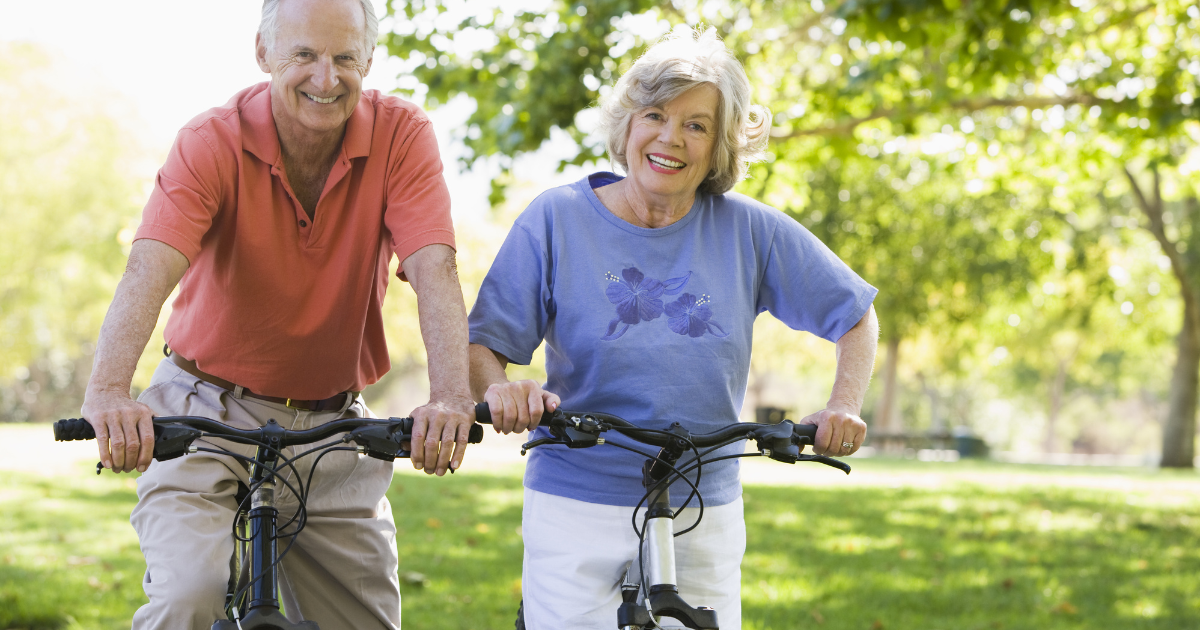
{"x": 1153, "y": 209}
{"x": 965, "y": 105}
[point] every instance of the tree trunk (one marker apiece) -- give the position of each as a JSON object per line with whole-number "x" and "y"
{"x": 1056, "y": 394}
{"x": 1179, "y": 431}
{"x": 885, "y": 417}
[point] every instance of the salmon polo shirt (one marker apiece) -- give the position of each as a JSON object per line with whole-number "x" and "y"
{"x": 273, "y": 301}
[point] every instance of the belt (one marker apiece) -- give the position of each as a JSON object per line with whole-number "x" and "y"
{"x": 334, "y": 403}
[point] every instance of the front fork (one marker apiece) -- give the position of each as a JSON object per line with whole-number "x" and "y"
{"x": 263, "y": 612}
{"x": 659, "y": 551}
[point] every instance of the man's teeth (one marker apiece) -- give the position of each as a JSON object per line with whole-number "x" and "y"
{"x": 664, "y": 162}
{"x": 318, "y": 99}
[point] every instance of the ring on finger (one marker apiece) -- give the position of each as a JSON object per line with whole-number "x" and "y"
{"x": 848, "y": 446}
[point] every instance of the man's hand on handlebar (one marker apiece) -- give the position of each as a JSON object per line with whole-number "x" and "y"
{"x": 518, "y": 405}
{"x": 439, "y": 435}
{"x": 124, "y": 430}
{"x": 835, "y": 429}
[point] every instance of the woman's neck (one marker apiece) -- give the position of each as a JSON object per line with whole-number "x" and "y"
{"x": 624, "y": 201}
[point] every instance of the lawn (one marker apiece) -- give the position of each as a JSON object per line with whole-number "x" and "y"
{"x": 1045, "y": 553}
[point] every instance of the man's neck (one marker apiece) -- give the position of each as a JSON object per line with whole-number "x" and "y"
{"x": 308, "y": 148}
{"x": 303, "y": 146}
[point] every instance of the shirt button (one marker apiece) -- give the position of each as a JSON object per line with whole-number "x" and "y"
{"x": 303, "y": 223}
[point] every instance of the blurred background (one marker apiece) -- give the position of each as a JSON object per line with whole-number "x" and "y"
{"x": 1019, "y": 179}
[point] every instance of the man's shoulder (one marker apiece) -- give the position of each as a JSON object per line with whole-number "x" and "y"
{"x": 394, "y": 111}
{"x": 232, "y": 113}
{"x": 225, "y": 125}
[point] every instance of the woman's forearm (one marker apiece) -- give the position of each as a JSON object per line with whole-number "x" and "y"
{"x": 487, "y": 369}
{"x": 855, "y": 362}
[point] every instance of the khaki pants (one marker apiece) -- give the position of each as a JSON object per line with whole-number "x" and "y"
{"x": 341, "y": 571}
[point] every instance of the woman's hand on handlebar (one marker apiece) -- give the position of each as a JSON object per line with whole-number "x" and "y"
{"x": 835, "y": 429}
{"x": 124, "y": 430}
{"x": 518, "y": 405}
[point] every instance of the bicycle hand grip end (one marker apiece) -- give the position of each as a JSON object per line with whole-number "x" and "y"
{"x": 72, "y": 429}
{"x": 483, "y": 413}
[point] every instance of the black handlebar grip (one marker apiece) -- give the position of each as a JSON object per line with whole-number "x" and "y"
{"x": 806, "y": 430}
{"x": 73, "y": 429}
{"x": 483, "y": 413}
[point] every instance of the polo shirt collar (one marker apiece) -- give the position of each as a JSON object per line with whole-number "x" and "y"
{"x": 360, "y": 127}
{"x": 260, "y": 137}
{"x": 258, "y": 126}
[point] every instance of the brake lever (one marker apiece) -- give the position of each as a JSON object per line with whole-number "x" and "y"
{"x": 539, "y": 442}
{"x": 828, "y": 461}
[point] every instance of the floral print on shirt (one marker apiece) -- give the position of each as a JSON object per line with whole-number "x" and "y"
{"x": 638, "y": 298}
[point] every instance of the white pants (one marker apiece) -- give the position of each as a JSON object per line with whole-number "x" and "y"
{"x": 576, "y": 554}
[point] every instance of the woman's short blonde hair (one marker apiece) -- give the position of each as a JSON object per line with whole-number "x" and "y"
{"x": 685, "y": 59}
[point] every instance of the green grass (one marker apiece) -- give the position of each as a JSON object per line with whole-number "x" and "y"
{"x": 963, "y": 556}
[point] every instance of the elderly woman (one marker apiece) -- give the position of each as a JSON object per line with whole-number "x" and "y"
{"x": 645, "y": 289}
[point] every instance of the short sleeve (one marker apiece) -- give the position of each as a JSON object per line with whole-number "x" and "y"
{"x": 807, "y": 287}
{"x": 418, "y": 201}
{"x": 515, "y": 302}
{"x": 186, "y": 196}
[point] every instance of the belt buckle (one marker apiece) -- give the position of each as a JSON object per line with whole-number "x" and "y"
{"x": 289, "y": 402}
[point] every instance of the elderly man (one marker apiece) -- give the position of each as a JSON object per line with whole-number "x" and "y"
{"x": 277, "y": 215}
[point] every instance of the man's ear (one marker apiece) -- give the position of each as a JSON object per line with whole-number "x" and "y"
{"x": 370, "y": 58}
{"x": 260, "y": 53}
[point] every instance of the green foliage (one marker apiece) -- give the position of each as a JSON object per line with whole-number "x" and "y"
{"x": 65, "y": 197}
{"x": 954, "y": 153}
{"x": 1044, "y": 552}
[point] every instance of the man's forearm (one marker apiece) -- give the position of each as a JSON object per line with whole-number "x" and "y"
{"x": 443, "y": 318}
{"x": 855, "y": 362}
{"x": 152, "y": 272}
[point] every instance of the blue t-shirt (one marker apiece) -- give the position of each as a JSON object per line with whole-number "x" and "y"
{"x": 652, "y": 325}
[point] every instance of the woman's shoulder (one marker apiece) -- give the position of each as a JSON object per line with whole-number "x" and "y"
{"x": 565, "y": 203}
{"x": 758, "y": 215}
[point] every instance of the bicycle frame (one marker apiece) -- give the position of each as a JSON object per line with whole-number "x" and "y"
{"x": 263, "y": 610}
{"x": 782, "y": 442}
{"x": 173, "y": 437}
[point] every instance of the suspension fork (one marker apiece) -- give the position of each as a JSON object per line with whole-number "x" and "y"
{"x": 263, "y": 612}
{"x": 663, "y": 593}
{"x": 263, "y": 520}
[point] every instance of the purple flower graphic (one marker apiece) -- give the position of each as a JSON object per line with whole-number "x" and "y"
{"x": 689, "y": 316}
{"x": 638, "y": 298}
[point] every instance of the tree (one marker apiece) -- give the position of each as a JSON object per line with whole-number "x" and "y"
{"x": 66, "y": 201}
{"x": 997, "y": 90}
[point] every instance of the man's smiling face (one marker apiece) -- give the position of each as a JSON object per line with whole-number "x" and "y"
{"x": 317, "y": 64}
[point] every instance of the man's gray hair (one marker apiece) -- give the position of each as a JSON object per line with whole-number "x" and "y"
{"x": 685, "y": 59}
{"x": 269, "y": 25}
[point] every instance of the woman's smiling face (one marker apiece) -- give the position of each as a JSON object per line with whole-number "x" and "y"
{"x": 669, "y": 148}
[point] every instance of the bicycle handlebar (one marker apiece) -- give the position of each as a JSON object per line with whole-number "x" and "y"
{"x": 782, "y": 442}
{"x": 377, "y": 437}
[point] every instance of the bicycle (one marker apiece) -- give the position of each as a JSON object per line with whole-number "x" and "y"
{"x": 252, "y": 602}
{"x": 648, "y": 595}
